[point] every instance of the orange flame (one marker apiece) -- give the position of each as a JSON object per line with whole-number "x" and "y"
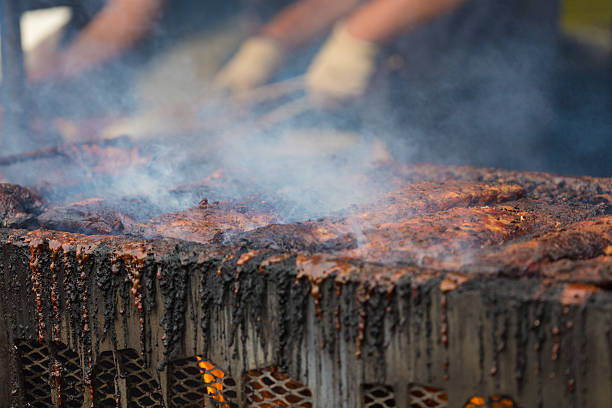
{"x": 212, "y": 380}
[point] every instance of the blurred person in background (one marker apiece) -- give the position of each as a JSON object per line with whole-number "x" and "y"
{"x": 119, "y": 58}
{"x": 83, "y": 66}
{"x": 348, "y": 59}
{"x": 75, "y": 53}
{"x": 464, "y": 82}
{"x": 113, "y": 28}
{"x": 178, "y": 78}
{"x": 109, "y": 55}
{"x": 452, "y": 81}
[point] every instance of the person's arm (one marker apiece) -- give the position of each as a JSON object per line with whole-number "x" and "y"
{"x": 305, "y": 20}
{"x": 260, "y": 56}
{"x": 380, "y": 20}
{"x": 344, "y": 66}
{"x": 116, "y": 28}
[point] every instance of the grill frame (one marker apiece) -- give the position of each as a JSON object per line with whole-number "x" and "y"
{"x": 401, "y": 344}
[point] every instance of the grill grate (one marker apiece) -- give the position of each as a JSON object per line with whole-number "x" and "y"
{"x": 186, "y": 388}
{"x": 426, "y": 396}
{"x": 34, "y": 358}
{"x": 143, "y": 390}
{"x": 104, "y": 381}
{"x": 269, "y": 387}
{"x": 71, "y": 377}
{"x": 42, "y": 375}
{"x": 378, "y": 396}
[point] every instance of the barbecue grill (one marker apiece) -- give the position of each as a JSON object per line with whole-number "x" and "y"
{"x": 458, "y": 287}
{"x": 470, "y": 288}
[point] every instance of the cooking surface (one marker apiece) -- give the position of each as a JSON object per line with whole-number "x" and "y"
{"x": 435, "y": 217}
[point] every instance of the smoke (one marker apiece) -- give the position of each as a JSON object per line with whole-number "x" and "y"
{"x": 299, "y": 169}
{"x": 467, "y": 90}
{"x": 302, "y": 173}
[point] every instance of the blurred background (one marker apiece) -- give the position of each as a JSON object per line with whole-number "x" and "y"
{"x": 518, "y": 84}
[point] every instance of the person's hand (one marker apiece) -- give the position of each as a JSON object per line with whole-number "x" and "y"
{"x": 253, "y": 65}
{"x": 342, "y": 69}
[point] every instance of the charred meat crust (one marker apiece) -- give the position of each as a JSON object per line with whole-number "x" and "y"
{"x": 19, "y": 206}
{"x": 437, "y": 217}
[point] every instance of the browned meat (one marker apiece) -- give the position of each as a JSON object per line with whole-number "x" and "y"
{"x": 100, "y": 216}
{"x": 439, "y": 217}
{"x": 392, "y": 213}
{"x": 430, "y": 197}
{"x": 301, "y": 236}
{"x": 19, "y": 206}
{"x": 554, "y": 250}
{"x": 594, "y": 271}
{"x": 90, "y": 216}
{"x": 443, "y": 239}
{"x": 210, "y": 222}
{"x": 469, "y": 226}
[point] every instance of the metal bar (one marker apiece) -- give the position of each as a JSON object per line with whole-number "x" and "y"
{"x": 13, "y": 76}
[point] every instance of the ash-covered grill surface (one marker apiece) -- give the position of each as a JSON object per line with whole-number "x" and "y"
{"x": 475, "y": 283}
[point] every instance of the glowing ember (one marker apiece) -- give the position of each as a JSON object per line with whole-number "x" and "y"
{"x": 212, "y": 380}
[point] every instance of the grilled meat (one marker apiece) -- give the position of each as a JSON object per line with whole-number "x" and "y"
{"x": 210, "y": 222}
{"x": 578, "y": 241}
{"x": 440, "y": 218}
{"x": 100, "y": 216}
{"x": 88, "y": 217}
{"x": 340, "y": 233}
{"x": 19, "y": 206}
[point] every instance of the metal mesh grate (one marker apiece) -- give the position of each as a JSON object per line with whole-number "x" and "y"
{"x": 378, "y": 396}
{"x": 495, "y": 401}
{"x": 34, "y": 359}
{"x": 425, "y": 396}
{"x": 268, "y": 387}
{"x": 143, "y": 391}
{"x": 185, "y": 385}
{"x": 70, "y": 375}
{"x": 220, "y": 388}
{"x": 50, "y": 381}
{"x": 104, "y": 377}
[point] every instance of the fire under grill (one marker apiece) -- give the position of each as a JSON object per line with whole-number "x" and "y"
{"x": 461, "y": 287}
